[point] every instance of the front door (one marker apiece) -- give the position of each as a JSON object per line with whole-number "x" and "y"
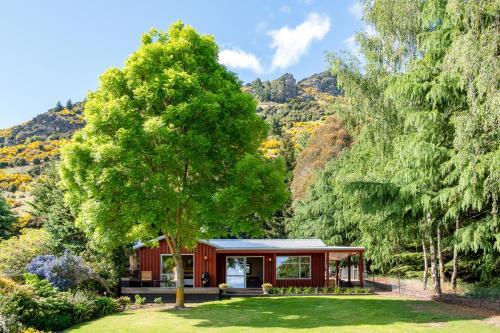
{"x": 236, "y": 272}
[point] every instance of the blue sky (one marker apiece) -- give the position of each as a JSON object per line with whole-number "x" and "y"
{"x": 56, "y": 50}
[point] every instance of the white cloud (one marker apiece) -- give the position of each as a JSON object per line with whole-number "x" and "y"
{"x": 370, "y": 30}
{"x": 285, "y": 9}
{"x": 356, "y": 10}
{"x": 292, "y": 43}
{"x": 352, "y": 45}
{"x": 239, "y": 59}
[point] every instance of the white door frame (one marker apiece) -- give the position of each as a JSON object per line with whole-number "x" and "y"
{"x": 245, "y": 265}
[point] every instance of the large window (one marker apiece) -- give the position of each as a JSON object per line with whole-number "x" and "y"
{"x": 293, "y": 267}
{"x": 167, "y": 273}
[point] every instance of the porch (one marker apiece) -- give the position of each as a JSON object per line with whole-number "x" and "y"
{"x": 191, "y": 295}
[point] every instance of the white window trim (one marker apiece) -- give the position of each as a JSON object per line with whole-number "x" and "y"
{"x": 300, "y": 264}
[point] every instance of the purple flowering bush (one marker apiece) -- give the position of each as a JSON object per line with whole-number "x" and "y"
{"x": 63, "y": 272}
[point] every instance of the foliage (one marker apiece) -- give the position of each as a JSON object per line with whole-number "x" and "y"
{"x": 124, "y": 302}
{"x": 171, "y": 129}
{"x": 139, "y": 300}
{"x": 223, "y": 286}
{"x": 417, "y": 166}
{"x": 7, "y": 219}
{"x": 38, "y": 305}
{"x": 326, "y": 142}
{"x": 64, "y": 272}
{"x": 158, "y": 300}
{"x": 53, "y": 214}
{"x": 17, "y": 251}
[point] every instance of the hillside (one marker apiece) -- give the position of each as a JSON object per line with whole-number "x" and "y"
{"x": 289, "y": 106}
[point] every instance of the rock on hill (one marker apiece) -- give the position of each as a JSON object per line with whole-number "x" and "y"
{"x": 51, "y": 125}
{"x": 284, "y": 102}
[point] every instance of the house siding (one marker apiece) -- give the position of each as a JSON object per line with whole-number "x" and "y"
{"x": 317, "y": 269}
{"x": 214, "y": 264}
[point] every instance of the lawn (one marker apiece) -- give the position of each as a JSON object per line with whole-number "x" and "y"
{"x": 298, "y": 314}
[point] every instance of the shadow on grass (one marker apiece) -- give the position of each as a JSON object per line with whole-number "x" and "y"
{"x": 315, "y": 312}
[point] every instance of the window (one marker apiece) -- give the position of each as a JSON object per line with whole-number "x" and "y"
{"x": 167, "y": 272}
{"x": 293, "y": 267}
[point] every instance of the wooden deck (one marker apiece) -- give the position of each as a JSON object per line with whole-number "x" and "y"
{"x": 192, "y": 295}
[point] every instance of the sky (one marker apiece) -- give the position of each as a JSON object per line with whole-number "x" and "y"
{"x": 56, "y": 50}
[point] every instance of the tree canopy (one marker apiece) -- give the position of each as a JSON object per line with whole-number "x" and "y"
{"x": 423, "y": 110}
{"x": 170, "y": 147}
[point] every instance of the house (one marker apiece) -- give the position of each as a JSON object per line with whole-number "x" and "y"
{"x": 247, "y": 263}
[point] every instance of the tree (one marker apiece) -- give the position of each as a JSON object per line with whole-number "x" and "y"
{"x": 58, "y": 107}
{"x": 69, "y": 105}
{"x": 423, "y": 110}
{"x": 51, "y": 212}
{"x": 170, "y": 147}
{"x": 7, "y": 219}
{"x": 16, "y": 252}
{"x": 325, "y": 143}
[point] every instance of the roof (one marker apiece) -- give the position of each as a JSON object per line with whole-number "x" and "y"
{"x": 252, "y": 244}
{"x": 267, "y": 244}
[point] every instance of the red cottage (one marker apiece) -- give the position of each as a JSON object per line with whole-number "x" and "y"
{"x": 245, "y": 263}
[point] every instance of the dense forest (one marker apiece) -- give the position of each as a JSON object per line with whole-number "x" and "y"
{"x": 419, "y": 186}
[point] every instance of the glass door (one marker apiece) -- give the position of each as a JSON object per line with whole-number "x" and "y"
{"x": 236, "y": 272}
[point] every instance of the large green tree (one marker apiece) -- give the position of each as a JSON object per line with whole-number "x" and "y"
{"x": 171, "y": 148}
{"x": 424, "y": 112}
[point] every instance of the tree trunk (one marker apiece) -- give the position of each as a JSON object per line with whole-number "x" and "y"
{"x": 179, "y": 279}
{"x": 436, "y": 281}
{"x": 455, "y": 257}
{"x": 440, "y": 255}
{"x": 426, "y": 264}
{"x": 179, "y": 273}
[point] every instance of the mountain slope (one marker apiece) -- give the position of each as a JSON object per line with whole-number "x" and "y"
{"x": 296, "y": 107}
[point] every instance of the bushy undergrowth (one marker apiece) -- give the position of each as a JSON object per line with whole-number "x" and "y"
{"x": 317, "y": 291}
{"x": 37, "y": 304}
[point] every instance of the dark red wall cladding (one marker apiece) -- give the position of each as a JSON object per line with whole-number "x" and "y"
{"x": 150, "y": 259}
{"x": 207, "y": 260}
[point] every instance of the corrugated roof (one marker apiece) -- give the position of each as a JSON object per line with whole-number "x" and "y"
{"x": 265, "y": 243}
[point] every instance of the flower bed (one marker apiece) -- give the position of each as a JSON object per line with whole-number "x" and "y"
{"x": 319, "y": 291}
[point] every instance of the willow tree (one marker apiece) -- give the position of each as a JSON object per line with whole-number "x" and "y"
{"x": 170, "y": 148}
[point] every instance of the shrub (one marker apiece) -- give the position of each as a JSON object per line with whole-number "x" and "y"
{"x": 366, "y": 290}
{"x": 158, "y": 300}
{"x": 139, "y": 300}
{"x": 289, "y": 290}
{"x": 105, "y": 305}
{"x": 324, "y": 290}
{"x": 337, "y": 290}
{"x": 63, "y": 272}
{"x": 84, "y": 307}
{"x": 282, "y": 290}
{"x": 17, "y": 252}
{"x": 348, "y": 290}
{"x": 357, "y": 290}
{"x": 307, "y": 290}
{"x": 124, "y": 301}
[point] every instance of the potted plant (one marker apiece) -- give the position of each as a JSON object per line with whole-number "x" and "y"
{"x": 223, "y": 287}
{"x": 266, "y": 287}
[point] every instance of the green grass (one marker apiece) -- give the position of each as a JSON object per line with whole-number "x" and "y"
{"x": 296, "y": 314}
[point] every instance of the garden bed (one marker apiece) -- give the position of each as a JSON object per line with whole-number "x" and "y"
{"x": 330, "y": 291}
